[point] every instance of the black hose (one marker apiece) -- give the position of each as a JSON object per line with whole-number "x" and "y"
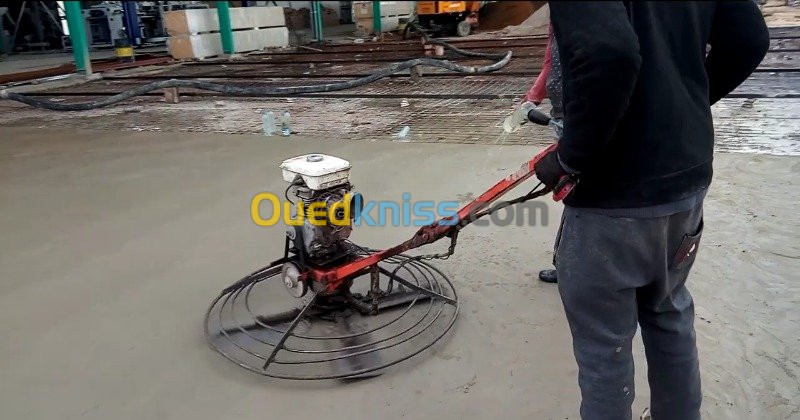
{"x": 413, "y": 24}
{"x": 232, "y": 90}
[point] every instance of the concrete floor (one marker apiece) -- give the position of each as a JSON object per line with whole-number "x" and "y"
{"x": 113, "y": 243}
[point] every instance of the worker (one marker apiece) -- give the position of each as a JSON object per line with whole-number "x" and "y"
{"x": 639, "y": 79}
{"x": 547, "y": 84}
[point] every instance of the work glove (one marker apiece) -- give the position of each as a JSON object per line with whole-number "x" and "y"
{"x": 549, "y": 170}
{"x": 552, "y": 174}
{"x": 517, "y": 118}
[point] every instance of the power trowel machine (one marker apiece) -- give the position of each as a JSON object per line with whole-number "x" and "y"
{"x": 350, "y": 311}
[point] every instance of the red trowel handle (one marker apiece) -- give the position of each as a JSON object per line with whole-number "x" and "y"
{"x": 566, "y": 183}
{"x": 563, "y": 188}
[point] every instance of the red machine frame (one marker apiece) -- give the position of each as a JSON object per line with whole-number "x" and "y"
{"x": 334, "y": 277}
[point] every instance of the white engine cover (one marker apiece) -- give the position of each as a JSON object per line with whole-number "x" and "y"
{"x": 318, "y": 171}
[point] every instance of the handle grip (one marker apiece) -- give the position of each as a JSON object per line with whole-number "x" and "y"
{"x": 537, "y": 117}
{"x": 563, "y": 188}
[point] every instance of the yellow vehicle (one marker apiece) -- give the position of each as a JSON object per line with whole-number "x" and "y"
{"x": 449, "y": 17}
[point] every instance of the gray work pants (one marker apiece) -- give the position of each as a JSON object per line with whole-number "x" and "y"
{"x": 613, "y": 273}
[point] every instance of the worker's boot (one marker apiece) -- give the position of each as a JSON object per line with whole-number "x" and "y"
{"x": 548, "y": 276}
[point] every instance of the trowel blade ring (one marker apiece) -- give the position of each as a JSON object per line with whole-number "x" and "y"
{"x": 369, "y": 346}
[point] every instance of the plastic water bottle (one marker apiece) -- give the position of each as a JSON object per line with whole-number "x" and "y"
{"x": 268, "y": 122}
{"x": 286, "y": 125}
{"x": 404, "y": 132}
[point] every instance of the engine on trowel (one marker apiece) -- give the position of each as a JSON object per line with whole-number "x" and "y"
{"x": 322, "y": 213}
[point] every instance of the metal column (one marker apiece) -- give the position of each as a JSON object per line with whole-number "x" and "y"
{"x": 376, "y": 17}
{"x": 316, "y": 20}
{"x": 131, "y": 19}
{"x": 77, "y": 34}
{"x": 35, "y": 16}
{"x": 225, "y": 28}
{"x": 2, "y": 37}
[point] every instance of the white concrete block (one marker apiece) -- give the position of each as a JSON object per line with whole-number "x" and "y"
{"x": 363, "y": 9}
{"x": 391, "y": 23}
{"x": 210, "y": 44}
{"x": 397, "y": 8}
{"x": 256, "y": 39}
{"x": 257, "y": 17}
{"x": 391, "y": 12}
{"x": 193, "y": 21}
{"x": 194, "y": 46}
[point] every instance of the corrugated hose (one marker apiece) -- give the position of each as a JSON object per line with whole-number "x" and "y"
{"x": 233, "y": 90}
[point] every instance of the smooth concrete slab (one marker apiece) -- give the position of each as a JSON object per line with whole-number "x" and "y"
{"x": 112, "y": 244}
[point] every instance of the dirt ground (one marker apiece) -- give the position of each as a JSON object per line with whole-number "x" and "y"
{"x": 780, "y": 13}
{"x": 113, "y": 243}
{"x": 498, "y": 15}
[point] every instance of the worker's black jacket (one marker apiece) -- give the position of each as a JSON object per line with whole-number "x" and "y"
{"x": 638, "y": 86}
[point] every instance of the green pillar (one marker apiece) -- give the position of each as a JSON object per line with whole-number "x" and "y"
{"x": 225, "y": 28}
{"x": 77, "y": 34}
{"x": 317, "y": 20}
{"x": 376, "y": 17}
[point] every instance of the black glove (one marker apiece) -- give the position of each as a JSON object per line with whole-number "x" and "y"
{"x": 549, "y": 170}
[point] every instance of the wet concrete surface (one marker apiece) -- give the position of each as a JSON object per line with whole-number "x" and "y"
{"x": 112, "y": 244}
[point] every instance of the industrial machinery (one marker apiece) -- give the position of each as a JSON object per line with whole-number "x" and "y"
{"x": 104, "y": 24}
{"x": 151, "y": 17}
{"x": 28, "y": 26}
{"x": 350, "y": 311}
{"x": 448, "y": 17}
{"x": 109, "y": 22}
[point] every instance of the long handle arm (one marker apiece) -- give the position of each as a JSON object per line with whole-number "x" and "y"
{"x": 444, "y": 227}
